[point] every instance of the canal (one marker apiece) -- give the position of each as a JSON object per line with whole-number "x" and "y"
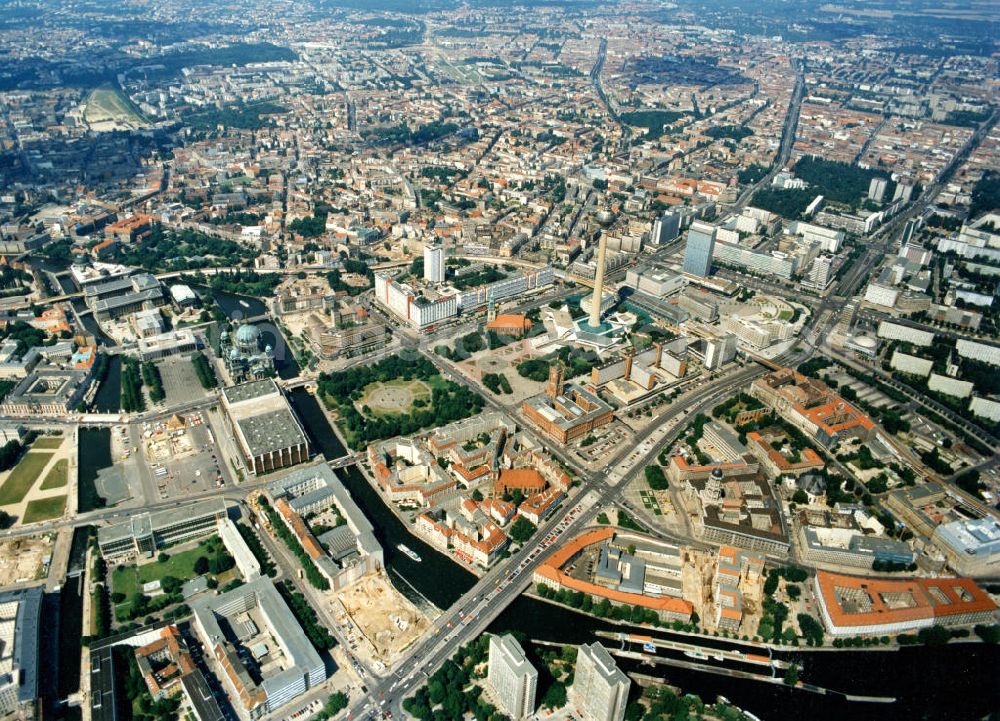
{"x": 435, "y": 577}
{"x": 94, "y": 455}
{"x": 956, "y": 681}
{"x": 66, "y": 283}
{"x": 109, "y": 393}
{"x": 91, "y": 325}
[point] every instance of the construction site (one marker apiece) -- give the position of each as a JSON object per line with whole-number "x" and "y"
{"x": 168, "y": 440}
{"x": 379, "y": 622}
{"x": 25, "y": 559}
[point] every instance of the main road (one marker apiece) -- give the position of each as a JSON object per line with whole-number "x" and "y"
{"x": 470, "y": 615}
{"x": 787, "y": 138}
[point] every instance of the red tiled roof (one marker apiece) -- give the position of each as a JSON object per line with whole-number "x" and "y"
{"x": 551, "y": 570}
{"x": 922, "y": 592}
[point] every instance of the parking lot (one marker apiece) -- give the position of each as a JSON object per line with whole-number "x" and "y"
{"x": 182, "y": 458}
{"x": 609, "y": 438}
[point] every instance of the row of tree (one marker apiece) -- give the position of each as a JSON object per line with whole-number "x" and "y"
{"x": 316, "y": 632}
{"x": 315, "y": 578}
{"x": 203, "y": 369}
{"x": 132, "y": 400}
{"x": 151, "y": 377}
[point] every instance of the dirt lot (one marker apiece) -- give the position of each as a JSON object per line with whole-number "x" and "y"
{"x": 387, "y": 620}
{"x": 21, "y": 559}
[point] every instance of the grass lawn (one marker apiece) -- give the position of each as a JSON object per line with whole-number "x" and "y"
{"x": 44, "y": 509}
{"x": 23, "y": 477}
{"x": 129, "y": 579}
{"x": 107, "y": 103}
{"x": 57, "y": 475}
{"x": 436, "y": 381}
{"x": 47, "y": 442}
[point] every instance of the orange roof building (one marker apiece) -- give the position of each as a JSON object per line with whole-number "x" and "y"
{"x": 852, "y": 605}
{"x": 51, "y": 320}
{"x": 775, "y": 462}
{"x": 537, "y": 507}
{"x": 527, "y": 480}
{"x": 164, "y": 662}
{"x": 130, "y": 229}
{"x": 106, "y": 247}
{"x": 516, "y": 324}
{"x": 437, "y": 533}
{"x": 298, "y": 526}
{"x": 550, "y": 573}
{"x": 810, "y": 405}
{"x": 483, "y": 546}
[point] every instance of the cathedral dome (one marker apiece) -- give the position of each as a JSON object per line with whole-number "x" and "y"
{"x": 248, "y": 334}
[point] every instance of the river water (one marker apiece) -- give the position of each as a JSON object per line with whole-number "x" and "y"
{"x": 109, "y": 393}
{"x": 448, "y": 579}
{"x": 94, "y": 455}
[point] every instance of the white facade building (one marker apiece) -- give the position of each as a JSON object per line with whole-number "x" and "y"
{"x": 404, "y": 302}
{"x": 949, "y": 386}
{"x": 600, "y": 689}
{"x": 829, "y": 239}
{"x": 978, "y": 351}
{"x": 774, "y": 263}
{"x": 511, "y": 677}
{"x": 819, "y": 274}
{"x": 883, "y": 295}
{"x": 895, "y": 331}
{"x": 985, "y": 408}
{"x": 911, "y": 364}
{"x": 246, "y": 562}
{"x": 434, "y": 263}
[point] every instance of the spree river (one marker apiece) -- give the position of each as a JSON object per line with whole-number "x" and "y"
{"x": 957, "y": 681}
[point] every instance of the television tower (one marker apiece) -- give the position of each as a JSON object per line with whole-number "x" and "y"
{"x": 595, "y": 300}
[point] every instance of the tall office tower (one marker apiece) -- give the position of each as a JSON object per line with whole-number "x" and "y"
{"x": 819, "y": 274}
{"x": 434, "y": 263}
{"x": 700, "y": 246}
{"x": 511, "y": 677}
{"x": 595, "y": 301}
{"x": 903, "y": 191}
{"x": 910, "y": 231}
{"x": 719, "y": 351}
{"x": 666, "y": 228}
{"x": 600, "y": 689}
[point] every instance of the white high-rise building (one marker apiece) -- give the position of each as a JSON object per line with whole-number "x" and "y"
{"x": 665, "y": 228}
{"x": 877, "y": 188}
{"x": 719, "y": 351}
{"x": 600, "y": 689}
{"x": 819, "y": 274}
{"x": 434, "y": 263}
{"x": 511, "y": 677}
